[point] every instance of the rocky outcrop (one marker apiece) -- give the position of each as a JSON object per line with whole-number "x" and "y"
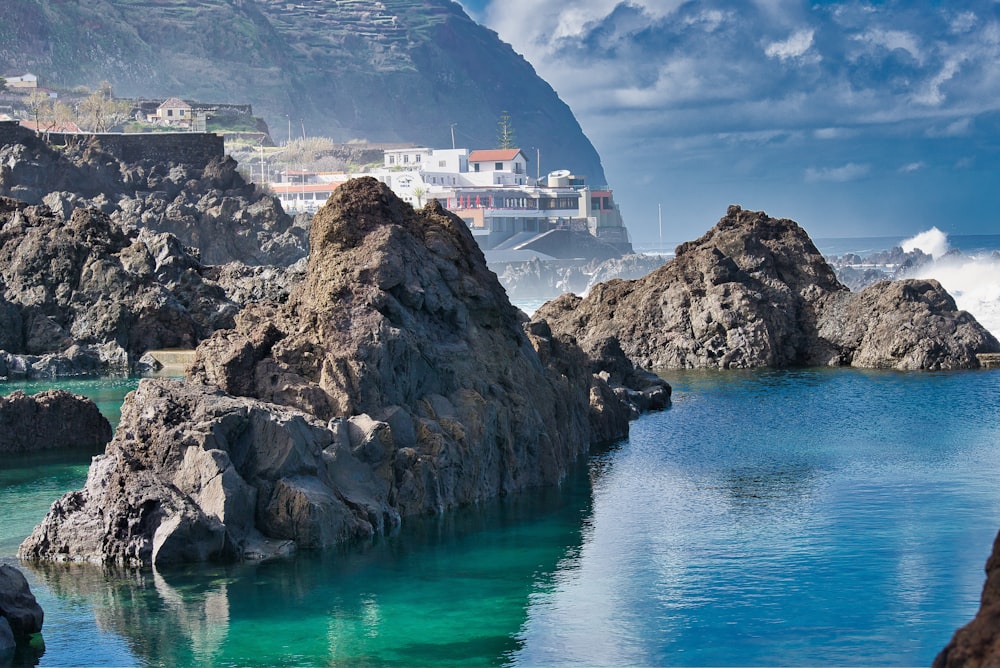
{"x": 907, "y": 324}
{"x": 755, "y": 292}
{"x": 212, "y": 209}
{"x": 193, "y": 473}
{"x": 396, "y": 379}
{"x": 20, "y": 614}
{"x": 246, "y": 284}
{"x": 83, "y": 287}
{"x": 50, "y": 419}
{"x": 977, "y": 644}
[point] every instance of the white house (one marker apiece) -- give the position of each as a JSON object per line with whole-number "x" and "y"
{"x": 174, "y": 111}
{"x": 27, "y": 80}
{"x": 406, "y": 158}
{"x": 506, "y": 166}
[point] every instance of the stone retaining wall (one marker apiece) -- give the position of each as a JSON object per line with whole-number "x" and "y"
{"x": 195, "y": 149}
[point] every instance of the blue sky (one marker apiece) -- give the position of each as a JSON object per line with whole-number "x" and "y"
{"x": 853, "y": 118}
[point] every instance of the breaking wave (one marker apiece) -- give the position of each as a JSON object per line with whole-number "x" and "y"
{"x": 973, "y": 280}
{"x": 934, "y": 242}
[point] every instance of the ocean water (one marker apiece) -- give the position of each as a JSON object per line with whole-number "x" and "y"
{"x": 809, "y": 517}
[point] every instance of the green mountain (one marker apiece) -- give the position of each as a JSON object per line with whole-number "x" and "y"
{"x": 382, "y": 70}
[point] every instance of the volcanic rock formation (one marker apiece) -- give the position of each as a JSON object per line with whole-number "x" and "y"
{"x": 210, "y": 208}
{"x": 20, "y": 614}
{"x": 977, "y": 644}
{"x": 755, "y": 292}
{"x": 396, "y": 379}
{"x": 50, "y": 419}
{"x": 85, "y": 289}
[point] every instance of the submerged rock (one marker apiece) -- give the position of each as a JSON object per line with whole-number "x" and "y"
{"x": 755, "y": 292}
{"x": 49, "y": 420}
{"x": 977, "y": 644}
{"x": 18, "y": 607}
{"x": 396, "y": 379}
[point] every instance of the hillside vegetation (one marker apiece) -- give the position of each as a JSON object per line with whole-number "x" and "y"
{"x": 389, "y": 70}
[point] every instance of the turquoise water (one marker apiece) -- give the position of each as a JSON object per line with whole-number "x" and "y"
{"x": 818, "y": 517}
{"x": 107, "y": 393}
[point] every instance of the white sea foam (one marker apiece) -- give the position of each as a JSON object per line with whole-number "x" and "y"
{"x": 974, "y": 281}
{"x": 934, "y": 242}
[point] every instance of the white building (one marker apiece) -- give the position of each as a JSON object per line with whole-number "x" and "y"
{"x": 489, "y": 190}
{"x": 174, "y": 112}
{"x": 26, "y": 80}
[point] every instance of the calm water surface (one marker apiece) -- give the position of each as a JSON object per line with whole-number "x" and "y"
{"x": 827, "y": 517}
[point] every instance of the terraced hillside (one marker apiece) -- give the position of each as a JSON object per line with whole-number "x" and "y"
{"x": 384, "y": 70}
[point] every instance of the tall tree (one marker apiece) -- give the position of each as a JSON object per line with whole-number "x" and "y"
{"x": 39, "y": 106}
{"x": 505, "y": 131}
{"x": 100, "y": 111}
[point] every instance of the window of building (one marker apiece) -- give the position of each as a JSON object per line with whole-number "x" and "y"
{"x": 392, "y": 160}
{"x": 498, "y": 166}
{"x": 170, "y": 112}
{"x": 476, "y": 166}
{"x": 406, "y": 159}
{"x": 418, "y": 157}
{"x": 442, "y": 163}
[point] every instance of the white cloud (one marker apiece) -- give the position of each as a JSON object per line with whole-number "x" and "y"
{"x": 957, "y": 128}
{"x": 849, "y": 172}
{"x": 679, "y": 86}
{"x": 709, "y": 21}
{"x": 892, "y": 40}
{"x": 833, "y": 133}
{"x": 794, "y": 47}
{"x": 963, "y": 22}
{"x": 931, "y": 94}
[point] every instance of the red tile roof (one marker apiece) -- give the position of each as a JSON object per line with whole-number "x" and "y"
{"x": 495, "y": 155}
{"x": 46, "y": 126}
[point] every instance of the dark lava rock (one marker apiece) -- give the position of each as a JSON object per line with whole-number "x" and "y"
{"x": 211, "y": 209}
{"x": 49, "y": 420}
{"x": 755, "y": 292}
{"x": 86, "y": 282}
{"x": 18, "y": 605}
{"x": 977, "y": 644}
{"x": 396, "y": 379}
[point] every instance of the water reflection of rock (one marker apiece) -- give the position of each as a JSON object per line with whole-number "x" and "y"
{"x": 162, "y": 623}
{"x": 352, "y": 604}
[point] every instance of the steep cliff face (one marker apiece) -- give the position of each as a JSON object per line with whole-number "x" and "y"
{"x": 401, "y": 70}
{"x": 396, "y": 379}
{"x": 755, "y": 292}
